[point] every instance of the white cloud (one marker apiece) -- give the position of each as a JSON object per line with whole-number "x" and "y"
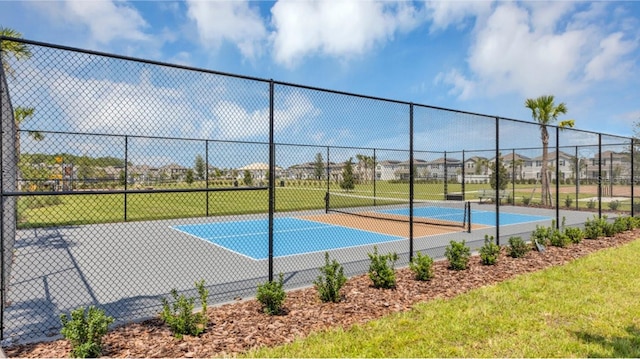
{"x": 233, "y": 21}
{"x": 535, "y": 48}
{"x": 106, "y": 20}
{"x": 607, "y": 63}
{"x": 340, "y": 29}
{"x": 233, "y": 121}
{"x": 455, "y": 13}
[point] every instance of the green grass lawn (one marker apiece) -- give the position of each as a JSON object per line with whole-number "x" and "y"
{"x": 85, "y": 209}
{"x": 587, "y": 308}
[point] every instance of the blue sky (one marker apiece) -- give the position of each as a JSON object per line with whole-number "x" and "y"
{"x": 478, "y": 56}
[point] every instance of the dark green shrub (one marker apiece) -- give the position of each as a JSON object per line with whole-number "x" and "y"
{"x": 541, "y": 235}
{"x": 595, "y": 227}
{"x": 517, "y": 247}
{"x": 620, "y": 224}
{"x": 490, "y": 251}
{"x": 458, "y": 255}
{"x": 574, "y": 234}
{"x": 526, "y": 200}
{"x": 381, "y": 269}
{"x": 84, "y": 330}
{"x": 591, "y": 204}
{"x": 613, "y": 205}
{"x": 422, "y": 266}
{"x": 272, "y": 295}
{"x": 568, "y": 201}
{"x": 180, "y": 317}
{"x": 331, "y": 281}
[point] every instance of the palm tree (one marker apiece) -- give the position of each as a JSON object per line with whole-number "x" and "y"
{"x": 545, "y": 112}
{"x": 12, "y": 49}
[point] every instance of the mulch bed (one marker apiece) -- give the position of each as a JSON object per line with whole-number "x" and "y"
{"x": 239, "y": 326}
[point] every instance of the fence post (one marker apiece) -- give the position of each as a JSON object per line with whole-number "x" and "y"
{"x": 374, "y": 176}
{"x": 496, "y": 173}
{"x": 557, "y": 177}
{"x": 633, "y": 180}
{"x": 599, "y": 175}
{"x": 446, "y": 174}
{"x": 206, "y": 176}
{"x": 272, "y": 154}
{"x": 411, "y": 179}
{"x": 126, "y": 173}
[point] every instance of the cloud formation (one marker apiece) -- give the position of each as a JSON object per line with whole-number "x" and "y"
{"x": 536, "y": 48}
{"x": 340, "y": 29}
{"x": 233, "y": 21}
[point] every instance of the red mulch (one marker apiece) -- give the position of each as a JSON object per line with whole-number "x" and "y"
{"x": 237, "y": 327}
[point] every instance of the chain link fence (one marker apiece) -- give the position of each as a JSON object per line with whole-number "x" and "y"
{"x": 123, "y": 179}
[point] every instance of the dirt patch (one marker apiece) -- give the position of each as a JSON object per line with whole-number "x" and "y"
{"x": 240, "y": 326}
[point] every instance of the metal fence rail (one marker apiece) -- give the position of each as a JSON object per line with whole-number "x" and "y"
{"x": 124, "y": 178}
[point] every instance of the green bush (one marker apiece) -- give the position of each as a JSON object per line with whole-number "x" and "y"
{"x": 331, "y": 281}
{"x": 180, "y": 317}
{"x": 574, "y": 234}
{"x": 458, "y": 255}
{"x": 541, "y": 235}
{"x": 596, "y": 227}
{"x": 517, "y": 247}
{"x": 591, "y": 204}
{"x": 526, "y": 200}
{"x": 613, "y": 205}
{"x": 422, "y": 266}
{"x": 490, "y": 251}
{"x": 85, "y": 330}
{"x": 620, "y": 224}
{"x": 272, "y": 295}
{"x": 568, "y": 201}
{"x": 381, "y": 269}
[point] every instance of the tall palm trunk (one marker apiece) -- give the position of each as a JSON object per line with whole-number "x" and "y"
{"x": 544, "y": 176}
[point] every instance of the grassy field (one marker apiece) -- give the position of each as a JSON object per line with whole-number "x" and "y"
{"x": 84, "y": 209}
{"x": 587, "y": 308}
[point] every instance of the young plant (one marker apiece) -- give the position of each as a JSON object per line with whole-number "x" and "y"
{"x": 541, "y": 235}
{"x": 568, "y": 201}
{"x": 613, "y": 205}
{"x": 381, "y": 269}
{"x": 490, "y": 251}
{"x": 422, "y": 266}
{"x": 517, "y": 247}
{"x": 591, "y": 204}
{"x": 595, "y": 227}
{"x": 458, "y": 255}
{"x": 85, "y": 330}
{"x": 331, "y": 281}
{"x": 272, "y": 295}
{"x": 180, "y": 317}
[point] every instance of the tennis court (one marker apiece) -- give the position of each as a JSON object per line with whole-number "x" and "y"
{"x": 319, "y": 233}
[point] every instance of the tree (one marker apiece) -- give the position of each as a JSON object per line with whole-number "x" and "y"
{"x": 347, "y": 176}
{"x": 248, "y": 179}
{"x": 364, "y": 163}
{"x": 499, "y": 171}
{"x": 545, "y": 112}
{"x": 12, "y": 49}
{"x": 189, "y": 176}
{"x": 318, "y": 168}
{"x": 200, "y": 167}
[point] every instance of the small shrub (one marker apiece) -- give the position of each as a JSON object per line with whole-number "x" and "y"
{"x": 541, "y": 235}
{"x": 568, "y": 201}
{"x": 591, "y": 204}
{"x": 517, "y": 247}
{"x": 595, "y": 227}
{"x": 574, "y": 234}
{"x": 620, "y": 224}
{"x": 458, "y": 255}
{"x": 85, "y": 330}
{"x": 490, "y": 251}
{"x": 558, "y": 238}
{"x": 381, "y": 269}
{"x": 526, "y": 200}
{"x": 422, "y": 266}
{"x": 613, "y": 205}
{"x": 331, "y": 281}
{"x": 180, "y": 317}
{"x": 272, "y": 295}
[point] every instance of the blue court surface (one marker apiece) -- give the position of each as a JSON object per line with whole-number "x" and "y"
{"x": 291, "y": 236}
{"x": 487, "y": 218}
{"x": 296, "y": 236}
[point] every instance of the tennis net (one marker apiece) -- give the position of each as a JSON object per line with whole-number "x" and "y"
{"x": 432, "y": 212}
